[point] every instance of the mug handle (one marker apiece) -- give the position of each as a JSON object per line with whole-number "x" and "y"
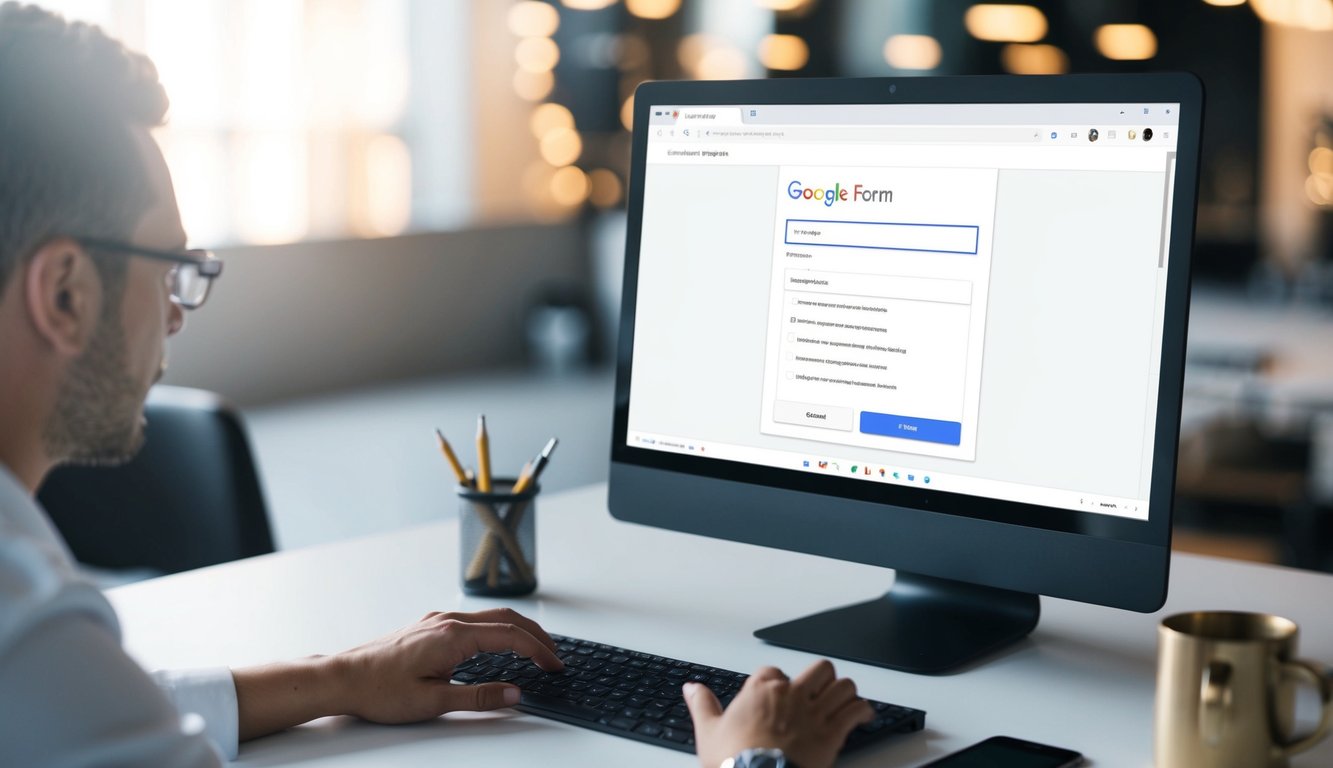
{"x": 1313, "y": 673}
{"x": 1214, "y": 700}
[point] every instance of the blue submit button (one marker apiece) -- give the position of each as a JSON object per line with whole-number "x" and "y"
{"x": 911, "y": 428}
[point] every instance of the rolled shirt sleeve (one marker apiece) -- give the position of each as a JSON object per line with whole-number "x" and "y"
{"x": 69, "y": 694}
{"x": 209, "y": 694}
{"x": 72, "y": 697}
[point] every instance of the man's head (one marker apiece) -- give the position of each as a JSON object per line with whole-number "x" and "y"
{"x": 77, "y": 162}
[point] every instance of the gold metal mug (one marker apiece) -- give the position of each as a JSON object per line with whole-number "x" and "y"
{"x": 1226, "y": 691}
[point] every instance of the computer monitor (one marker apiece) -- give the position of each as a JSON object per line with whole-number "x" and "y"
{"x": 931, "y": 324}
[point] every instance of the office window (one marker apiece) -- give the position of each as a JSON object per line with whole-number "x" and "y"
{"x": 306, "y": 119}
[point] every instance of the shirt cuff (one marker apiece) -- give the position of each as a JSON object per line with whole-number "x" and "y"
{"x": 207, "y": 694}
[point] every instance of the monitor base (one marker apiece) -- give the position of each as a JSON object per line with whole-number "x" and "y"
{"x": 923, "y": 625}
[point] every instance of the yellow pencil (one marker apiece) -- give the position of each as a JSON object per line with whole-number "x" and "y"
{"x": 448, "y": 452}
{"x": 483, "y": 457}
{"x": 533, "y": 469}
{"x": 524, "y": 479}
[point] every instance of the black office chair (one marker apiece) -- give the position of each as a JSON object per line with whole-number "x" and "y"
{"x": 190, "y": 498}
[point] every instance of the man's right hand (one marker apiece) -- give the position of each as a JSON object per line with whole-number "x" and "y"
{"x": 403, "y": 677}
{"x": 808, "y": 718}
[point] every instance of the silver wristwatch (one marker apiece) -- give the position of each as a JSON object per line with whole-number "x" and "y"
{"x": 758, "y": 758}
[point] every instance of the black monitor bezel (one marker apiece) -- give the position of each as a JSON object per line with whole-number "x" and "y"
{"x": 1181, "y": 88}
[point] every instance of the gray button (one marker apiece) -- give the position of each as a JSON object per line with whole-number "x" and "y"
{"x": 807, "y": 415}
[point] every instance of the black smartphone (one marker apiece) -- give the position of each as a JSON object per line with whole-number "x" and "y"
{"x": 1008, "y": 752}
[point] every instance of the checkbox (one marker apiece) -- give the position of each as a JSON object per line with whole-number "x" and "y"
{"x": 791, "y": 374}
{"x": 791, "y": 337}
{"x": 793, "y": 318}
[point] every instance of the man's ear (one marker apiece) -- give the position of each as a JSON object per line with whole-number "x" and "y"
{"x": 63, "y": 293}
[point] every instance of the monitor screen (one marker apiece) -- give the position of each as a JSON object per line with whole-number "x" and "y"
{"x": 934, "y": 311}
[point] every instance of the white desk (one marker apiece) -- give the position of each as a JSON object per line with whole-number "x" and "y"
{"x": 1084, "y": 679}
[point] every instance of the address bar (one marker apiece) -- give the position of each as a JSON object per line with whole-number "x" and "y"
{"x": 889, "y": 134}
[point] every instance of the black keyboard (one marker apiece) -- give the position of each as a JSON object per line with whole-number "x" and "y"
{"x": 638, "y": 695}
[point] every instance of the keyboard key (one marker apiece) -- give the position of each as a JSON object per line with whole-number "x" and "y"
{"x": 681, "y": 723}
{"x": 680, "y": 737}
{"x": 649, "y": 729}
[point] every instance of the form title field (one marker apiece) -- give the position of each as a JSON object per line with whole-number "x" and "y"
{"x": 888, "y": 236}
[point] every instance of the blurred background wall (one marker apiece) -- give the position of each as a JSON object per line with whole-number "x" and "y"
{"x": 420, "y": 203}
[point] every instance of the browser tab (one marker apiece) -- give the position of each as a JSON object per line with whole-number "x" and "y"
{"x": 711, "y": 116}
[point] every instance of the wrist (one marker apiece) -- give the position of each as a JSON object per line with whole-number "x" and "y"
{"x": 336, "y": 677}
{"x": 272, "y": 697}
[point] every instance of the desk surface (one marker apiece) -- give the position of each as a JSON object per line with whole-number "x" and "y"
{"x": 1084, "y": 679}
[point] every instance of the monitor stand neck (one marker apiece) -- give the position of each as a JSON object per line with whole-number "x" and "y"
{"x": 923, "y": 625}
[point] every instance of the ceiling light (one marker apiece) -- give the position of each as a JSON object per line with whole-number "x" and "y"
{"x": 1126, "y": 42}
{"x": 1038, "y": 59}
{"x": 652, "y": 9}
{"x": 912, "y": 52}
{"x": 1005, "y": 23}
{"x": 548, "y": 117}
{"x": 533, "y": 19}
{"x": 783, "y": 52}
{"x": 1314, "y": 15}
{"x": 537, "y": 54}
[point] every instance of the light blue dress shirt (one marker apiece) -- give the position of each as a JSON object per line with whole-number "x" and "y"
{"x": 69, "y": 694}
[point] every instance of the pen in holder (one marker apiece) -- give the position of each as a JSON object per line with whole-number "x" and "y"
{"x": 498, "y": 557}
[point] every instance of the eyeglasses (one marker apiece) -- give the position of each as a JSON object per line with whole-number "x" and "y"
{"x": 190, "y": 279}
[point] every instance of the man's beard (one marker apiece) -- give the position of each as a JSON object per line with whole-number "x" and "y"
{"x": 97, "y": 414}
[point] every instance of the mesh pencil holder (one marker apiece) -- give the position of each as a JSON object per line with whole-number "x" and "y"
{"x": 498, "y": 556}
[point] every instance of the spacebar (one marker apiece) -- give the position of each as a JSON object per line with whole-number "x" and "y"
{"x": 559, "y": 706}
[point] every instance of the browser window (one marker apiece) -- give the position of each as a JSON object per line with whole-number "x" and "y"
{"x": 967, "y": 297}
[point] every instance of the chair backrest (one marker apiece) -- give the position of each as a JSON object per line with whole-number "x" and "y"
{"x": 190, "y": 498}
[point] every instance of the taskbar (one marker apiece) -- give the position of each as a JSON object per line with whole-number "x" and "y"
{"x": 908, "y": 476}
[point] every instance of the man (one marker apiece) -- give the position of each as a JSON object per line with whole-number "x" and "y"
{"x": 94, "y": 276}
